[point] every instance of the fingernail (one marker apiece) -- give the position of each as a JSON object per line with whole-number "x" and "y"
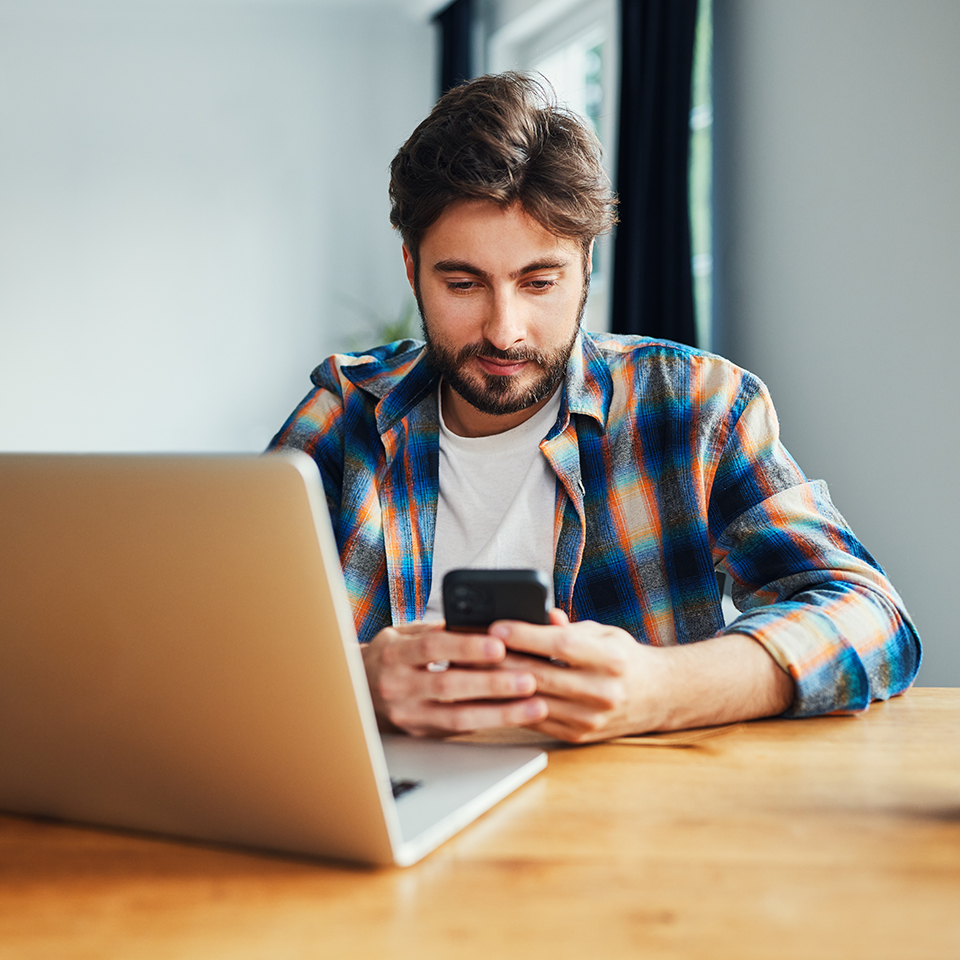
{"x": 525, "y": 683}
{"x": 500, "y": 630}
{"x": 533, "y": 709}
{"x": 492, "y": 649}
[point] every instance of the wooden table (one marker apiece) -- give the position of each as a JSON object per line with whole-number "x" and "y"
{"x": 834, "y": 837}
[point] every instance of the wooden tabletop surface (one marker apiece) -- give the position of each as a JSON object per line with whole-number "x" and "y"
{"x": 832, "y": 837}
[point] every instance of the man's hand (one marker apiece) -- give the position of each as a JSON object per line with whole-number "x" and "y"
{"x": 604, "y": 684}
{"x": 431, "y": 683}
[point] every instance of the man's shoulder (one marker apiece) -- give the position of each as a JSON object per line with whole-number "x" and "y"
{"x": 623, "y": 348}
{"x": 376, "y": 371}
{"x": 669, "y": 374}
{"x": 636, "y": 357}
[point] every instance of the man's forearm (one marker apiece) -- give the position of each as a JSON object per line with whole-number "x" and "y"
{"x": 722, "y": 680}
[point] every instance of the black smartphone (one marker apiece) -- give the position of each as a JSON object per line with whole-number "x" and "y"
{"x": 473, "y": 599}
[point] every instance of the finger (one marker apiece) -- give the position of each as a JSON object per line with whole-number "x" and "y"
{"x": 586, "y": 644}
{"x": 456, "y": 685}
{"x": 432, "y": 646}
{"x": 528, "y": 661}
{"x": 600, "y": 691}
{"x": 519, "y": 637}
{"x": 402, "y": 684}
{"x": 438, "y": 719}
{"x": 561, "y": 731}
{"x": 558, "y": 618}
{"x": 575, "y": 722}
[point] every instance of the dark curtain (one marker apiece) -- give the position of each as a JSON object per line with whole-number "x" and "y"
{"x": 652, "y": 281}
{"x": 456, "y": 43}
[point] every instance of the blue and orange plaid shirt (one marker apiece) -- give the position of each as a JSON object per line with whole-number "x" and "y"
{"x": 669, "y": 470}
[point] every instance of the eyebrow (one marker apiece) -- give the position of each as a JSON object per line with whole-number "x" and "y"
{"x": 463, "y": 266}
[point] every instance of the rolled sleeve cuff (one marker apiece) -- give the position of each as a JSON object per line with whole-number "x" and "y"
{"x": 828, "y": 674}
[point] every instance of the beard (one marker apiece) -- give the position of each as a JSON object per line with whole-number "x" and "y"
{"x": 496, "y": 394}
{"x": 491, "y": 393}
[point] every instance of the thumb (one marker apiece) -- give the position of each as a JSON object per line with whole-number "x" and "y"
{"x": 558, "y": 618}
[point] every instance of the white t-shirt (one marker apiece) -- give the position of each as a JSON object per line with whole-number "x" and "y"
{"x": 496, "y": 505}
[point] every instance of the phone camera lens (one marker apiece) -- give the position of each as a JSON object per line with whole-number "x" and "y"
{"x": 463, "y": 600}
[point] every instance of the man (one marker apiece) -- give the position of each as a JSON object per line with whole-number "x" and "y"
{"x": 630, "y": 470}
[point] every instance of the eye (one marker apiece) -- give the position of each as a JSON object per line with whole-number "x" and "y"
{"x": 542, "y": 283}
{"x": 460, "y": 285}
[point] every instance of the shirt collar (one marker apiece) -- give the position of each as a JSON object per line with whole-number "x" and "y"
{"x": 400, "y": 379}
{"x": 588, "y": 387}
{"x": 397, "y": 376}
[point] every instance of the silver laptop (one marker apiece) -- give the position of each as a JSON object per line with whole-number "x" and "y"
{"x": 178, "y": 655}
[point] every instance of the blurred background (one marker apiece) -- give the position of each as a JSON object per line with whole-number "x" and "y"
{"x": 193, "y": 213}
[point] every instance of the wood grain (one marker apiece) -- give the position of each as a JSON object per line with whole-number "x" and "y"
{"x": 831, "y": 837}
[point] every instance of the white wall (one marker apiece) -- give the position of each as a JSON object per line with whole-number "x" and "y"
{"x": 189, "y": 193}
{"x": 839, "y": 247}
{"x": 189, "y": 190}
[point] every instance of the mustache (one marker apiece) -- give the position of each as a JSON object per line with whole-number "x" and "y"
{"x": 490, "y": 352}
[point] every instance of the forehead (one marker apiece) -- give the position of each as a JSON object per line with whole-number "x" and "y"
{"x": 474, "y": 230}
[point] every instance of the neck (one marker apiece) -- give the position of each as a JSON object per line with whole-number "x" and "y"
{"x": 466, "y": 420}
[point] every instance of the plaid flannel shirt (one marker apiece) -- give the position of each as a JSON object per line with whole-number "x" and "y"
{"x": 669, "y": 469}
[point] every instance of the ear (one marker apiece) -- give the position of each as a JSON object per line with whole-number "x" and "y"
{"x": 410, "y": 267}
{"x": 590, "y": 258}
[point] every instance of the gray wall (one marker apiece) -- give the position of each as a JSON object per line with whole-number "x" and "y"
{"x": 839, "y": 256}
{"x": 193, "y": 210}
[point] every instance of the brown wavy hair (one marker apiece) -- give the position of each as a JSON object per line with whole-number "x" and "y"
{"x": 502, "y": 137}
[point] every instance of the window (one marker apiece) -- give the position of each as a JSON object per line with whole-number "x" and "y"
{"x": 574, "y": 46}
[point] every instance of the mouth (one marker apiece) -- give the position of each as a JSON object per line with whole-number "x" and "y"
{"x": 501, "y": 368}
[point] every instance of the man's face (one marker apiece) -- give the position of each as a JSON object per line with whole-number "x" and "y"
{"x": 501, "y": 300}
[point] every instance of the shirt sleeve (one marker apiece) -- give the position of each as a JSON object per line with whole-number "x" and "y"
{"x": 808, "y": 589}
{"x": 316, "y": 427}
{"x": 337, "y": 428}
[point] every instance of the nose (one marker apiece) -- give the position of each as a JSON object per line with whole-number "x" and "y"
{"x": 504, "y": 326}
